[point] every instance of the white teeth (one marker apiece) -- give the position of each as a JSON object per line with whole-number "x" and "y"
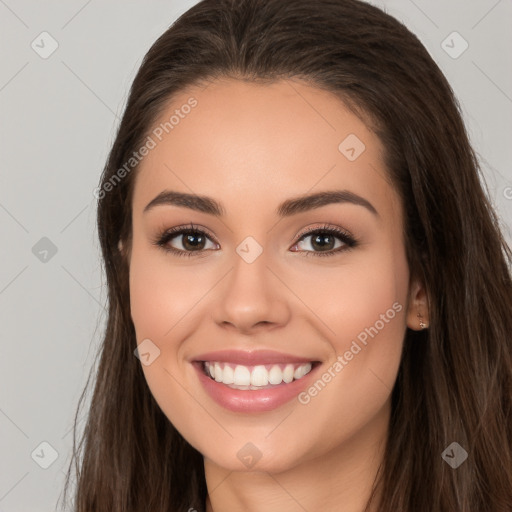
{"x": 288, "y": 373}
{"x": 259, "y": 376}
{"x": 242, "y": 376}
{"x": 218, "y": 372}
{"x": 255, "y": 377}
{"x": 275, "y": 375}
{"x": 228, "y": 375}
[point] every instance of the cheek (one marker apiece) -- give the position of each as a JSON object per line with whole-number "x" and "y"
{"x": 366, "y": 315}
{"x": 364, "y": 306}
{"x": 162, "y": 309}
{"x": 353, "y": 297}
{"x": 160, "y": 294}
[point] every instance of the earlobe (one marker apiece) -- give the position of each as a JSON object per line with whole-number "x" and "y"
{"x": 418, "y": 312}
{"x": 120, "y": 246}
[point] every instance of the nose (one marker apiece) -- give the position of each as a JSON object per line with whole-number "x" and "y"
{"x": 251, "y": 298}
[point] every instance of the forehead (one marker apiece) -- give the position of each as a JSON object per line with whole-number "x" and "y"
{"x": 249, "y": 144}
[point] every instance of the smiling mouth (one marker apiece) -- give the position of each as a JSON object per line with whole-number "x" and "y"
{"x": 242, "y": 377}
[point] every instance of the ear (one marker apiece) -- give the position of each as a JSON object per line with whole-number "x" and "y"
{"x": 120, "y": 246}
{"x": 418, "y": 313}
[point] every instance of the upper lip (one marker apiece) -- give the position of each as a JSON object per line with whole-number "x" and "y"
{"x": 251, "y": 358}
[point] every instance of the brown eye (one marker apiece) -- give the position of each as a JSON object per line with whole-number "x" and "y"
{"x": 192, "y": 241}
{"x": 185, "y": 241}
{"x": 325, "y": 242}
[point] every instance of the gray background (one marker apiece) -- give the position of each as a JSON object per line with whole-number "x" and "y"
{"x": 59, "y": 117}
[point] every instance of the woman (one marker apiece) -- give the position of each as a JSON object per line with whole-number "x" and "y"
{"x": 300, "y": 253}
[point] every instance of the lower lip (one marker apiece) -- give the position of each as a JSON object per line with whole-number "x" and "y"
{"x": 238, "y": 400}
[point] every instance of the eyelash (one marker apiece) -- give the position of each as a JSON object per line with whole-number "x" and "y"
{"x": 162, "y": 240}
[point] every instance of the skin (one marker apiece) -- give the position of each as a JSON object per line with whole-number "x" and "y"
{"x": 250, "y": 147}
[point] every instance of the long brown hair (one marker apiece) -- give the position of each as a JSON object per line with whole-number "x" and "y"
{"x": 455, "y": 379}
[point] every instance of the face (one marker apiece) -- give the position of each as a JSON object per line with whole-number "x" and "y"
{"x": 257, "y": 280}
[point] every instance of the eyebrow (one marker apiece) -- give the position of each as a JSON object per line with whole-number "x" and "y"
{"x": 285, "y": 209}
